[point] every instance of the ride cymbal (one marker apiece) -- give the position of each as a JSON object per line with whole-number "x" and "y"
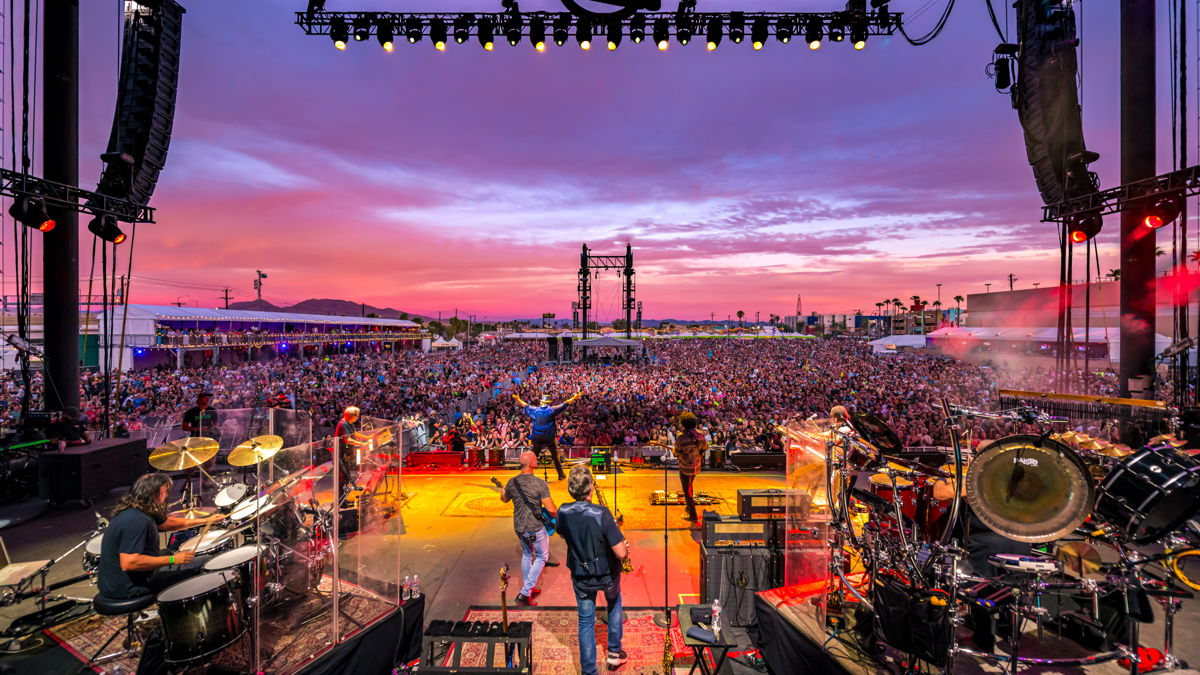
{"x": 190, "y": 513}
{"x": 255, "y": 450}
{"x": 1030, "y": 488}
{"x": 1161, "y": 438}
{"x": 183, "y": 453}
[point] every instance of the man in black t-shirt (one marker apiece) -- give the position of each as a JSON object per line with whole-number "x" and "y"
{"x": 595, "y": 547}
{"x": 529, "y": 495}
{"x": 201, "y": 420}
{"x": 131, "y": 563}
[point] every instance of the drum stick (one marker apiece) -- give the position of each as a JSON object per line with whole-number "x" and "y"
{"x": 200, "y": 539}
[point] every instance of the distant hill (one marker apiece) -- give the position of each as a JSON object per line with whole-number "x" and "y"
{"x": 326, "y": 306}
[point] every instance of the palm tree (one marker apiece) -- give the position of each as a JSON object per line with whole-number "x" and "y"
{"x": 740, "y": 314}
{"x": 958, "y": 307}
{"x": 1159, "y": 252}
{"x": 1114, "y": 275}
{"x": 1195, "y": 256}
{"x": 937, "y": 307}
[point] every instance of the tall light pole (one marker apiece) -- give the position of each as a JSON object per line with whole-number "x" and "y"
{"x": 989, "y": 287}
{"x": 259, "y": 275}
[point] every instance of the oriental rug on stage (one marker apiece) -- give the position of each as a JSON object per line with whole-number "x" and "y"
{"x": 293, "y": 633}
{"x": 634, "y": 506}
{"x": 556, "y": 640}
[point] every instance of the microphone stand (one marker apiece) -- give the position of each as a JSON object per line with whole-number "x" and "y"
{"x": 663, "y": 619}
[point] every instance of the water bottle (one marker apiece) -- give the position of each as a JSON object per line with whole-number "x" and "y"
{"x": 407, "y": 589}
{"x": 416, "y": 587}
{"x": 716, "y": 615}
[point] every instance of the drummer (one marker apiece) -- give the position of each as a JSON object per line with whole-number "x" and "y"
{"x": 131, "y": 563}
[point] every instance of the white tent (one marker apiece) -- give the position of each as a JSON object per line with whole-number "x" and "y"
{"x": 893, "y": 343}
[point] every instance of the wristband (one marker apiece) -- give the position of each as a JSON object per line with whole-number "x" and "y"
{"x": 171, "y": 559}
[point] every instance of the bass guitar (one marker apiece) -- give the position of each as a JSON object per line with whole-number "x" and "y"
{"x": 509, "y": 648}
{"x": 549, "y": 521}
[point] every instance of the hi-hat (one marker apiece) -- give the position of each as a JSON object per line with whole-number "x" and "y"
{"x": 255, "y": 450}
{"x": 183, "y": 453}
{"x": 190, "y": 513}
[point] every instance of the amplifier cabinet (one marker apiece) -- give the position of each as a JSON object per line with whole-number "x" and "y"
{"x": 83, "y": 472}
{"x": 734, "y": 575}
{"x": 724, "y": 531}
{"x": 756, "y": 504}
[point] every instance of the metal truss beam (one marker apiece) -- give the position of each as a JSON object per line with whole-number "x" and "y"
{"x": 14, "y": 184}
{"x": 1183, "y": 183}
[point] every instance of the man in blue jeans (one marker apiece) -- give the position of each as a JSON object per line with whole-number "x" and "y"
{"x": 595, "y": 547}
{"x": 529, "y": 494}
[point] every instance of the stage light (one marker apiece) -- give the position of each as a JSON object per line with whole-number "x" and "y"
{"x": 437, "y": 34}
{"x": 784, "y": 29}
{"x": 683, "y": 29}
{"x": 583, "y": 33}
{"x": 715, "y": 31}
{"x": 462, "y": 29}
{"x": 637, "y": 28}
{"x": 385, "y": 35}
{"x": 858, "y": 35}
{"x": 412, "y": 30}
{"x": 758, "y": 33}
{"x": 662, "y": 34}
{"x": 537, "y": 33}
{"x": 512, "y": 29}
{"x": 30, "y": 211}
{"x": 105, "y": 227}
{"x": 1164, "y": 211}
{"x": 737, "y": 27}
{"x": 562, "y": 28}
{"x": 487, "y": 33}
{"x": 837, "y": 32}
{"x": 338, "y": 32}
{"x": 1084, "y": 227}
{"x": 812, "y": 34}
{"x": 362, "y": 29}
{"x": 614, "y": 36}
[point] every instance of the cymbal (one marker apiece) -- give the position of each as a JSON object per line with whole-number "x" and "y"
{"x": 1178, "y": 443}
{"x": 876, "y": 432}
{"x": 190, "y": 513}
{"x": 1079, "y": 559}
{"x": 1030, "y": 489}
{"x": 1068, "y": 437}
{"x": 1093, "y": 444}
{"x": 884, "y": 480}
{"x": 255, "y": 450}
{"x": 183, "y": 453}
{"x": 1161, "y": 438}
{"x": 1117, "y": 450}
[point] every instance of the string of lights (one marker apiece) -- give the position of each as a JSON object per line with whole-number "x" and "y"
{"x": 660, "y": 28}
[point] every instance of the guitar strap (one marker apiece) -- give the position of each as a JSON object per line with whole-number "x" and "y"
{"x": 537, "y": 511}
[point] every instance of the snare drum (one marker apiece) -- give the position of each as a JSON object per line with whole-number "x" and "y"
{"x": 231, "y": 495}
{"x": 202, "y": 615}
{"x": 245, "y": 560}
{"x": 215, "y": 541}
{"x": 91, "y": 554}
{"x": 1150, "y": 493}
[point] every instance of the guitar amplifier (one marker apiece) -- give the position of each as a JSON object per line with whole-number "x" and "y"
{"x": 734, "y": 575}
{"x": 724, "y": 531}
{"x": 85, "y": 472}
{"x": 761, "y": 504}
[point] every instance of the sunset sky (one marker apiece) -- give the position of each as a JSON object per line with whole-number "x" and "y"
{"x": 431, "y": 181}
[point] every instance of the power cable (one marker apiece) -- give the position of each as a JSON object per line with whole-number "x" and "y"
{"x": 933, "y": 33}
{"x": 995, "y": 22}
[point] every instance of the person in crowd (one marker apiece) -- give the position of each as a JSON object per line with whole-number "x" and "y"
{"x": 201, "y": 419}
{"x": 689, "y": 450}
{"x": 529, "y": 495}
{"x": 595, "y": 547}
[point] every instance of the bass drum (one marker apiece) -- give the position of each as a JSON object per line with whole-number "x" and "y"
{"x": 1150, "y": 494}
{"x": 202, "y": 615}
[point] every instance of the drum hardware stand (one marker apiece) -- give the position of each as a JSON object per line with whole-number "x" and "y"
{"x": 43, "y": 617}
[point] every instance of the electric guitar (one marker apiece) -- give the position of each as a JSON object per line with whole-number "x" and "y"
{"x": 509, "y": 648}
{"x": 549, "y": 521}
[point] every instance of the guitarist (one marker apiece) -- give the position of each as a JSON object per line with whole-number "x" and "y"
{"x": 529, "y": 495}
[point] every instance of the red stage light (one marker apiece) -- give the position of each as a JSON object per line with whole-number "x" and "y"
{"x": 1153, "y": 221}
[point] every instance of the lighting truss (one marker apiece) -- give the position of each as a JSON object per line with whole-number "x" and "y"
{"x": 15, "y": 184}
{"x": 783, "y": 25}
{"x": 1181, "y": 183}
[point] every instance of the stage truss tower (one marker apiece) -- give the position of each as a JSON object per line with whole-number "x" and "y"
{"x": 589, "y": 261}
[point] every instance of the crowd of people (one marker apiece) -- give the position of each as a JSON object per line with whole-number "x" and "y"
{"x": 741, "y": 390}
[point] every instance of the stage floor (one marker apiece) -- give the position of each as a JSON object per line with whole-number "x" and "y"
{"x": 459, "y": 534}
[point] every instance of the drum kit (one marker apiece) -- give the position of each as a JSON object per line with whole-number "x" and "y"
{"x": 273, "y": 542}
{"x": 897, "y": 554}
